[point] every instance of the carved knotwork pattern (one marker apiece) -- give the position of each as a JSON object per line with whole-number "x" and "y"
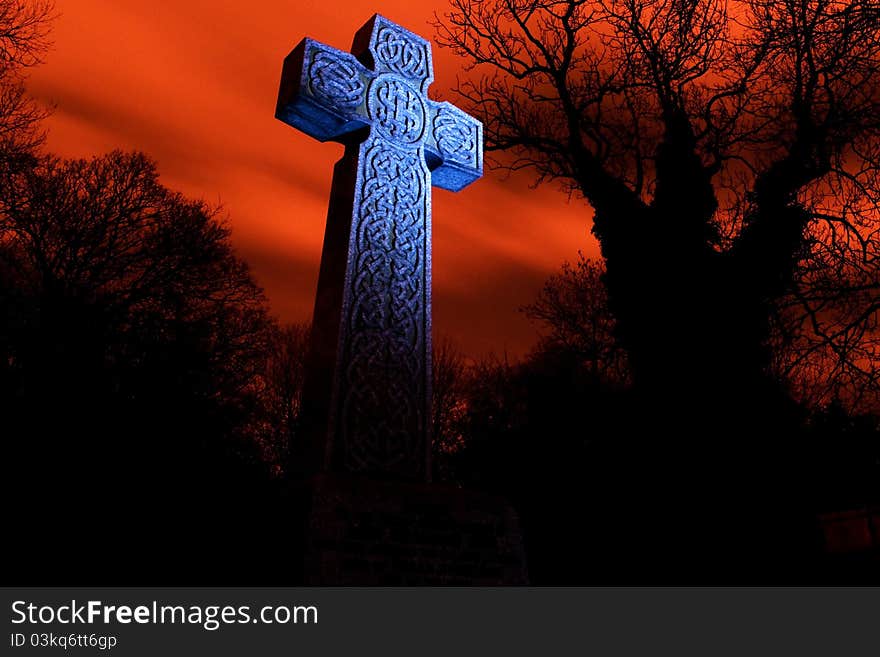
{"x": 397, "y": 51}
{"x": 456, "y": 137}
{"x": 398, "y": 111}
{"x": 335, "y": 80}
{"x": 377, "y": 417}
{"x": 383, "y": 412}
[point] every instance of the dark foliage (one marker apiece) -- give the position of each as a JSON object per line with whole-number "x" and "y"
{"x": 561, "y": 436}
{"x": 728, "y": 151}
{"x": 132, "y": 343}
{"x": 280, "y": 388}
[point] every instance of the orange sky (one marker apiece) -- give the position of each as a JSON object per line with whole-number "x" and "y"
{"x": 194, "y": 83}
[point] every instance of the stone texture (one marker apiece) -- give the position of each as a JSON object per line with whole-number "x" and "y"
{"x": 361, "y": 531}
{"x": 367, "y": 400}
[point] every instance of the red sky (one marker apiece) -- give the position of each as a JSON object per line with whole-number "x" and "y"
{"x": 193, "y": 83}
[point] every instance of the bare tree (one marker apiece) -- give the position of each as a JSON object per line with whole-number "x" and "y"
{"x": 574, "y": 306}
{"x": 24, "y": 29}
{"x": 132, "y": 345}
{"x": 281, "y": 392}
{"x": 729, "y": 151}
{"x": 449, "y": 382}
{"x": 111, "y": 284}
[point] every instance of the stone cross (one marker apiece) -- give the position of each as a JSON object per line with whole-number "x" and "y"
{"x": 367, "y": 402}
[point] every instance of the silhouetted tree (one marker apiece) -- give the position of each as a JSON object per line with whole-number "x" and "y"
{"x": 573, "y": 305}
{"x": 494, "y": 407}
{"x": 24, "y": 28}
{"x": 448, "y": 382}
{"x": 717, "y": 143}
{"x": 135, "y": 348}
{"x": 729, "y": 152}
{"x": 281, "y": 393}
{"x": 543, "y": 432}
{"x": 132, "y": 339}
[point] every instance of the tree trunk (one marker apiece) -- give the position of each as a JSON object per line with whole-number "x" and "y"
{"x": 718, "y": 462}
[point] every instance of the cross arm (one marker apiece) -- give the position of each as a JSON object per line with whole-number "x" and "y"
{"x": 322, "y": 91}
{"x": 453, "y": 147}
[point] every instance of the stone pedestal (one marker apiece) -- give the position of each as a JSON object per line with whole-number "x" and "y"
{"x": 367, "y": 532}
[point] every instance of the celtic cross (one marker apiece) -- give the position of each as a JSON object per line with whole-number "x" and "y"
{"x": 367, "y": 402}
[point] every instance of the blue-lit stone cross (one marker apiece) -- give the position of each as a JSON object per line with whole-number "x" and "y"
{"x": 367, "y": 402}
